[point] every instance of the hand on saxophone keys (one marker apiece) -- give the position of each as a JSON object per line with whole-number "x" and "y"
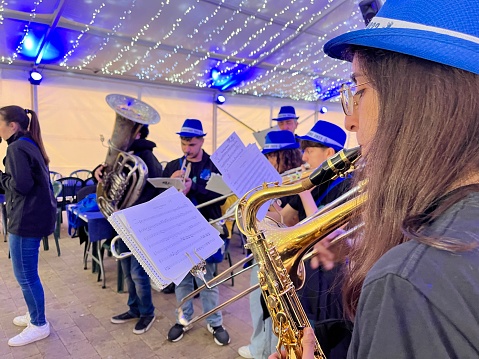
{"x": 308, "y": 343}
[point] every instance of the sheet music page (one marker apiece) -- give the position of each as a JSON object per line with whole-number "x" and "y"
{"x": 167, "y": 227}
{"x": 244, "y": 168}
{"x": 227, "y": 154}
{"x": 167, "y": 182}
{"x": 216, "y": 184}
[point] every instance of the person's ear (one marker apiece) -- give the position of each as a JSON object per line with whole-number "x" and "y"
{"x": 330, "y": 152}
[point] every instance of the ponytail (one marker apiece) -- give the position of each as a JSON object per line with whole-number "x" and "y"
{"x": 35, "y": 132}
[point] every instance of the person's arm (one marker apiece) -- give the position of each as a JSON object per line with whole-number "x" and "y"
{"x": 19, "y": 179}
{"x": 395, "y": 320}
{"x": 287, "y": 215}
{"x": 308, "y": 202}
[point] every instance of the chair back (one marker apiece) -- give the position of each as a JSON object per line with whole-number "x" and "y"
{"x": 89, "y": 182}
{"x": 83, "y": 174}
{"x": 55, "y": 176}
{"x": 70, "y": 188}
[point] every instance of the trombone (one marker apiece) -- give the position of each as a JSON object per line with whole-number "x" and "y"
{"x": 346, "y": 203}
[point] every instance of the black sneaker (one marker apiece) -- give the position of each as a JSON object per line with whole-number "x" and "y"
{"x": 144, "y": 324}
{"x": 170, "y": 288}
{"x": 220, "y": 334}
{"x": 176, "y": 332}
{"x": 123, "y": 318}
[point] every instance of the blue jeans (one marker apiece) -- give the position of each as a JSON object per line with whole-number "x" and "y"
{"x": 263, "y": 341}
{"x": 138, "y": 283}
{"x": 24, "y": 254}
{"x": 209, "y": 297}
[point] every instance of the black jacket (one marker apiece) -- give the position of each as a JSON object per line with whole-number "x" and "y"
{"x": 143, "y": 148}
{"x": 200, "y": 174}
{"x": 31, "y": 205}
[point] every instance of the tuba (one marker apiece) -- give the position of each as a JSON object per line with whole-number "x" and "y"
{"x": 124, "y": 175}
{"x": 279, "y": 252}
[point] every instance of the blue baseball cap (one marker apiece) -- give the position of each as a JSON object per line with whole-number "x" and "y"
{"x": 286, "y": 113}
{"x": 191, "y": 128}
{"x": 279, "y": 140}
{"x": 440, "y": 31}
{"x": 327, "y": 134}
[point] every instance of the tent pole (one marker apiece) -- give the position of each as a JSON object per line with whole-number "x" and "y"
{"x": 215, "y": 123}
{"x": 34, "y": 98}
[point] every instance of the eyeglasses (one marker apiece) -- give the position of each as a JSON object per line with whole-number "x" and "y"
{"x": 347, "y": 93}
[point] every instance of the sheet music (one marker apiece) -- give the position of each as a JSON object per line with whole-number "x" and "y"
{"x": 217, "y": 184}
{"x": 167, "y": 227}
{"x": 167, "y": 182}
{"x": 228, "y": 153}
{"x": 244, "y": 168}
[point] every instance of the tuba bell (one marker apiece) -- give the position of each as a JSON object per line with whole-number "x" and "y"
{"x": 124, "y": 175}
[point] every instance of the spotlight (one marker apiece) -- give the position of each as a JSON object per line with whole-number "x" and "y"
{"x": 35, "y": 77}
{"x": 220, "y": 99}
{"x": 323, "y": 109}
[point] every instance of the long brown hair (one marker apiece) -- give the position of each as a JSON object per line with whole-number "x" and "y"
{"x": 426, "y": 144}
{"x": 27, "y": 125}
{"x": 286, "y": 159}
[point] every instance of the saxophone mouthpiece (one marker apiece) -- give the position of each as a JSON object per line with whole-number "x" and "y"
{"x": 338, "y": 165}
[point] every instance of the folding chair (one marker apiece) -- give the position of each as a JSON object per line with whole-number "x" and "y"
{"x": 83, "y": 174}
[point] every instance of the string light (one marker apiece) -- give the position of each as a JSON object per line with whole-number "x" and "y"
{"x": 280, "y": 42}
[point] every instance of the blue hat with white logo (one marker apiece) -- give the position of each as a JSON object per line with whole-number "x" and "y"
{"x": 440, "y": 31}
{"x": 279, "y": 140}
{"x": 191, "y": 128}
{"x": 327, "y": 134}
{"x": 286, "y": 113}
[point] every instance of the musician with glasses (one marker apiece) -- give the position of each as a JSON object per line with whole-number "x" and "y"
{"x": 199, "y": 167}
{"x": 320, "y": 295}
{"x": 412, "y": 279}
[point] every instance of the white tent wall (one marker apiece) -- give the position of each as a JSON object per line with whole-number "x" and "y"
{"x": 73, "y": 114}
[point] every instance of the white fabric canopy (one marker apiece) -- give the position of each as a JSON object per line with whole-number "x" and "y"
{"x": 73, "y": 114}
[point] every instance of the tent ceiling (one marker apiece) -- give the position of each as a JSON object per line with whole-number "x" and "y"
{"x": 260, "y": 47}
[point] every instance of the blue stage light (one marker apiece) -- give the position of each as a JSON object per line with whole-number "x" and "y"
{"x": 220, "y": 99}
{"x": 35, "y": 77}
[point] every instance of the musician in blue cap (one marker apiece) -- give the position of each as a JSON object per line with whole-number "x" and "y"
{"x": 412, "y": 280}
{"x": 196, "y": 167}
{"x": 287, "y": 119}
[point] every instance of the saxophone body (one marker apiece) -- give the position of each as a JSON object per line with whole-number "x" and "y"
{"x": 278, "y": 251}
{"x": 125, "y": 174}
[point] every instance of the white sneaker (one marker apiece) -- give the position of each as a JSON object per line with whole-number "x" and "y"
{"x": 30, "y": 334}
{"x": 244, "y": 352}
{"x": 22, "y": 320}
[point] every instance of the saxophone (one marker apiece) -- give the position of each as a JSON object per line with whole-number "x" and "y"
{"x": 124, "y": 175}
{"x": 279, "y": 256}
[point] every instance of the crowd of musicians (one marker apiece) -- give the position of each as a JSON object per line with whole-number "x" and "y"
{"x": 405, "y": 285}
